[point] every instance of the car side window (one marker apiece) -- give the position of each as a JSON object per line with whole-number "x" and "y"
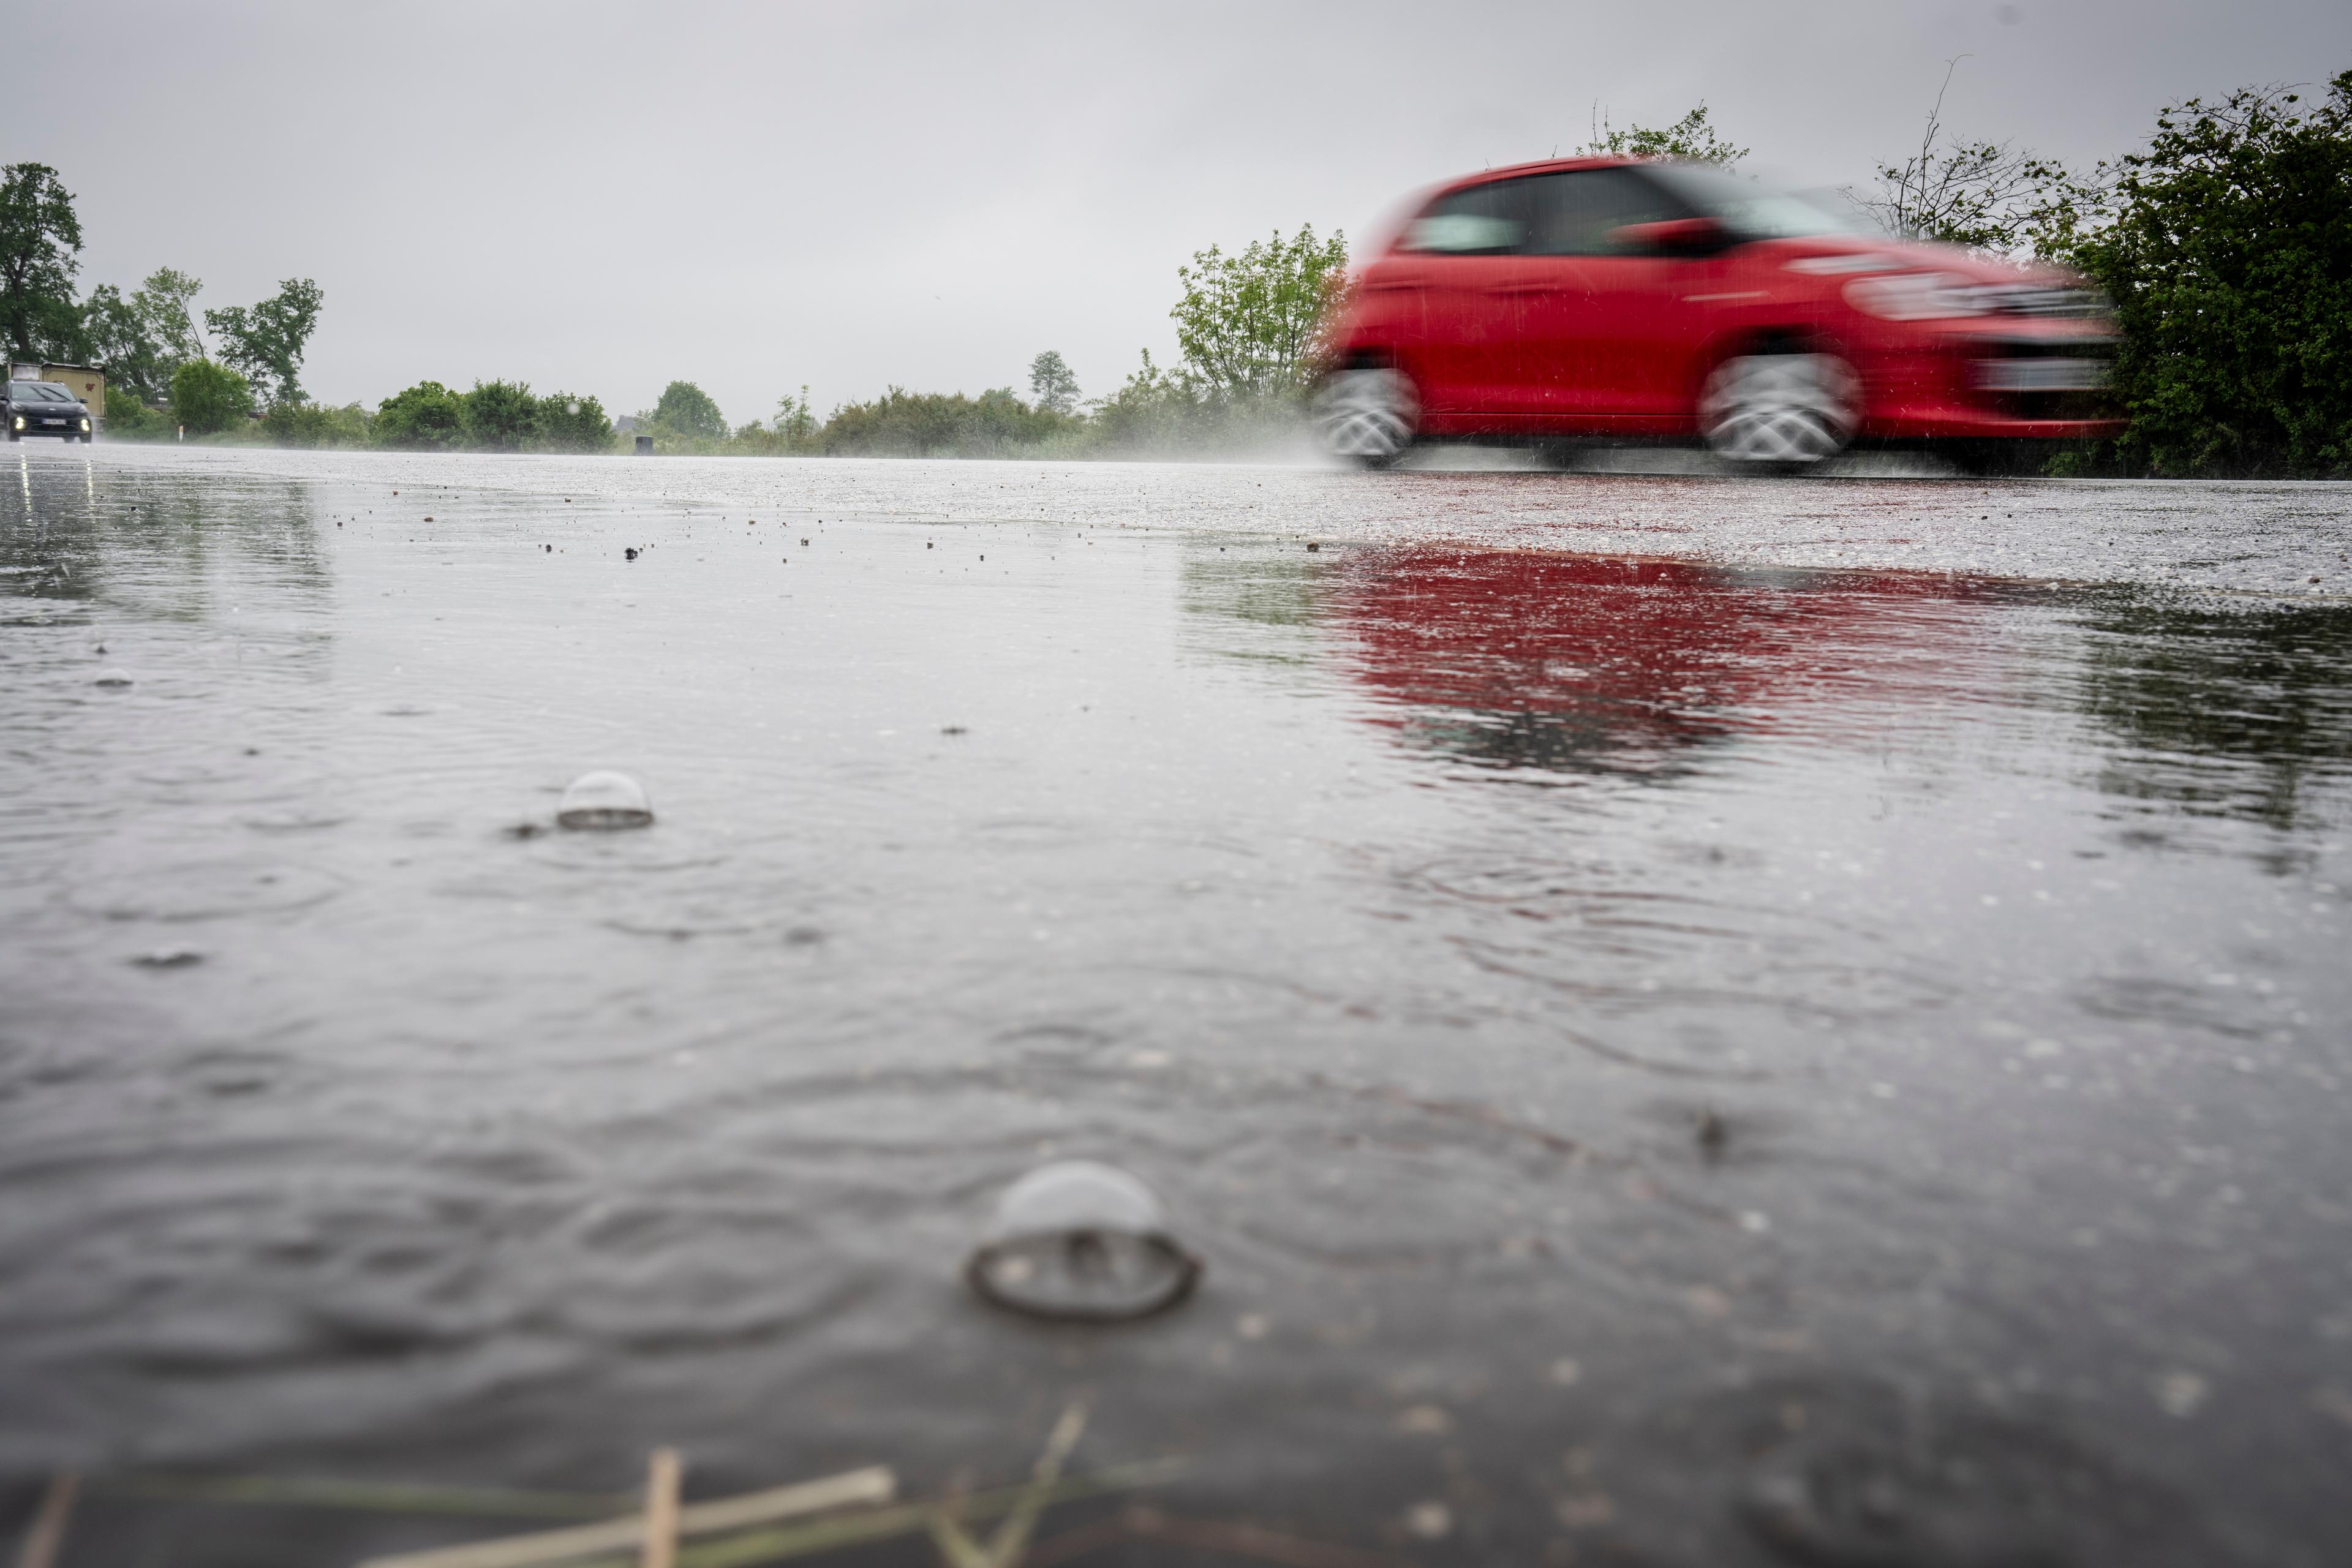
{"x": 1484, "y": 220}
{"x": 1574, "y": 212}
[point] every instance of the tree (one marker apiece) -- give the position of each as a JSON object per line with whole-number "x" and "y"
{"x": 567, "y": 424}
{"x": 428, "y": 416}
{"x": 1248, "y": 323}
{"x": 499, "y": 415}
{"x": 686, "y": 409}
{"x": 2228, "y": 251}
{"x": 1691, "y": 138}
{"x": 1052, "y": 386}
{"x": 795, "y": 421}
{"x": 39, "y": 241}
{"x": 115, "y": 335}
{"x": 163, "y": 304}
{"x": 207, "y": 397}
{"x": 265, "y": 341}
{"x": 1988, "y": 195}
{"x": 143, "y": 337}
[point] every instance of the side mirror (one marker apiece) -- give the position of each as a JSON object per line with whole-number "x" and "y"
{"x": 1673, "y": 237}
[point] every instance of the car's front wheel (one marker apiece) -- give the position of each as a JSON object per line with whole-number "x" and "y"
{"x": 1780, "y": 410}
{"x": 1366, "y": 416}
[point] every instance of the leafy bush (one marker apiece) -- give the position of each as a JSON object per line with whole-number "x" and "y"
{"x": 1154, "y": 409}
{"x": 2228, "y": 251}
{"x": 127, "y": 415}
{"x": 902, "y": 424}
{"x": 317, "y": 424}
{"x": 569, "y": 424}
{"x": 500, "y": 416}
{"x": 687, "y": 410}
{"x": 208, "y": 397}
{"x": 428, "y": 416}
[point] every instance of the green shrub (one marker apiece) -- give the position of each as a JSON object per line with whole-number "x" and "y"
{"x": 2229, "y": 254}
{"x": 902, "y": 424}
{"x": 687, "y": 410}
{"x": 316, "y": 425}
{"x": 500, "y": 415}
{"x": 208, "y": 397}
{"x": 568, "y": 424}
{"x": 428, "y": 416}
{"x": 128, "y": 418}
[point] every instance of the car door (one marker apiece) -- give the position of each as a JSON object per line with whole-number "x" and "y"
{"x": 1464, "y": 253}
{"x": 1612, "y": 334}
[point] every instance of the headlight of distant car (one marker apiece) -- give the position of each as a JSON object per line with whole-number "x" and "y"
{"x": 1920, "y": 297}
{"x": 20, "y": 422}
{"x": 85, "y": 423}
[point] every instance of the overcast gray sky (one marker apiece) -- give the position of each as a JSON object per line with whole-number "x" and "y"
{"x": 598, "y": 198}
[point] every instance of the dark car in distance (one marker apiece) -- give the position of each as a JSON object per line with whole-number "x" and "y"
{"x": 1609, "y": 298}
{"x": 43, "y": 408}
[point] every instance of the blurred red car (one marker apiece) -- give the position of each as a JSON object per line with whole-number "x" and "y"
{"x": 1610, "y": 298}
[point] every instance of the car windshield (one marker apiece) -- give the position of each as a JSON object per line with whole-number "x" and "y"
{"x": 1752, "y": 210}
{"x": 38, "y": 391}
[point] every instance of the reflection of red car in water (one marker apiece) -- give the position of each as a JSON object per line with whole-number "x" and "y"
{"x": 1581, "y": 663}
{"x": 1600, "y": 297}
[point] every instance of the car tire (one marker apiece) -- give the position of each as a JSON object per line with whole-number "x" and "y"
{"x": 1781, "y": 412}
{"x": 1366, "y": 416}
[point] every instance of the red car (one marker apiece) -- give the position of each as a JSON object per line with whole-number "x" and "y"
{"x": 1610, "y": 298}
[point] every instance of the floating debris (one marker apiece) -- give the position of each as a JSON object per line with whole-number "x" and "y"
{"x": 113, "y": 680}
{"x": 1712, "y": 1134}
{"x": 1083, "y": 1241}
{"x": 605, "y": 800}
{"x": 169, "y": 958}
{"x": 630, "y": 553}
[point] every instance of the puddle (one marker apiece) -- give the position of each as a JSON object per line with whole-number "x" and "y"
{"x": 1763, "y": 969}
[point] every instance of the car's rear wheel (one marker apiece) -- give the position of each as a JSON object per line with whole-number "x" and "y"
{"x": 1366, "y": 414}
{"x": 1780, "y": 411}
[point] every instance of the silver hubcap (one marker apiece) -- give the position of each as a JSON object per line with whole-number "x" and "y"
{"x": 1366, "y": 414}
{"x": 1779, "y": 409}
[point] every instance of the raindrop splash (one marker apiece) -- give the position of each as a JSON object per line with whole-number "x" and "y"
{"x": 1081, "y": 1241}
{"x": 605, "y": 800}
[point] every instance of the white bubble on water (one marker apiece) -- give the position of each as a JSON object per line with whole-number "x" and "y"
{"x": 605, "y": 800}
{"x": 1076, "y": 1239}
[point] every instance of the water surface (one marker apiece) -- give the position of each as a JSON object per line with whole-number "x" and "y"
{"x": 1629, "y": 1031}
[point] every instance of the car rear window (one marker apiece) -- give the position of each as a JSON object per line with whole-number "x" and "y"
{"x": 1574, "y": 213}
{"x": 1484, "y": 220}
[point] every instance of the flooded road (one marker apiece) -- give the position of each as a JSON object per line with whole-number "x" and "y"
{"x": 1689, "y": 1021}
